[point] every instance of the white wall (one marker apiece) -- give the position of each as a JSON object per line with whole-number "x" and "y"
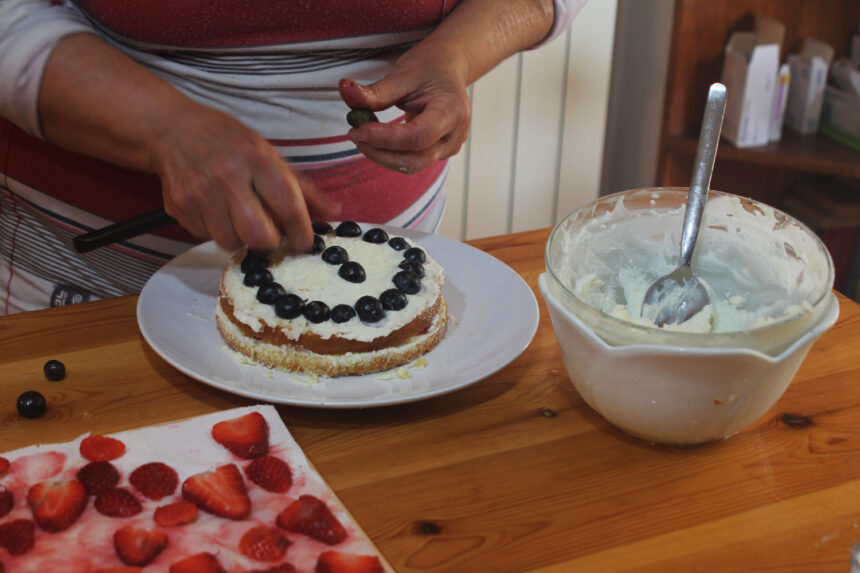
{"x": 535, "y": 149}
{"x": 639, "y": 69}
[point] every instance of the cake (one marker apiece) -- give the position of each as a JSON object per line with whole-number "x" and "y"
{"x": 362, "y": 301}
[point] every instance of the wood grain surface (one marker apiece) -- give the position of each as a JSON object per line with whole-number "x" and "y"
{"x": 514, "y": 473}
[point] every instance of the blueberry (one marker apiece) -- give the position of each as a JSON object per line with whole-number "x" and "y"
{"x": 348, "y": 229}
{"x": 319, "y": 245}
{"x": 407, "y": 281}
{"x": 289, "y": 306}
{"x": 54, "y": 370}
{"x": 269, "y": 293}
{"x": 415, "y": 254}
{"x": 398, "y": 243}
{"x": 376, "y": 235}
{"x": 321, "y": 227}
{"x": 369, "y": 309}
{"x": 359, "y": 116}
{"x": 254, "y": 261}
{"x": 352, "y": 271}
{"x": 393, "y": 299}
{"x": 257, "y": 278}
{"x": 413, "y": 266}
{"x": 316, "y": 311}
{"x": 335, "y": 255}
{"x": 342, "y": 313}
{"x": 31, "y": 404}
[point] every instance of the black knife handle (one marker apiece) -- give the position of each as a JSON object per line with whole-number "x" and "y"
{"x": 122, "y": 230}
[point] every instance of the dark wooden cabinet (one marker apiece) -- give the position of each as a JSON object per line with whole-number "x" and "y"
{"x": 700, "y": 32}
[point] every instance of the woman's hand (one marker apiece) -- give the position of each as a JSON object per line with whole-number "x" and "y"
{"x": 429, "y": 81}
{"x": 431, "y": 89}
{"x": 221, "y": 180}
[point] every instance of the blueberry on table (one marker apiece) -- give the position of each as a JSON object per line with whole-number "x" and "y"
{"x": 348, "y": 229}
{"x": 321, "y": 227}
{"x": 407, "y": 281}
{"x": 398, "y": 243}
{"x": 375, "y": 235}
{"x": 415, "y": 254}
{"x": 393, "y": 299}
{"x": 316, "y": 311}
{"x": 413, "y": 266}
{"x": 335, "y": 255}
{"x": 54, "y": 370}
{"x": 369, "y": 309}
{"x": 342, "y": 313}
{"x": 289, "y": 306}
{"x": 254, "y": 261}
{"x": 31, "y": 404}
{"x": 269, "y": 293}
{"x": 352, "y": 271}
{"x": 257, "y": 278}
{"x": 359, "y": 116}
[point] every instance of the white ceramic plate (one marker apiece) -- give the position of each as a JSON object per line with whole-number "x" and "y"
{"x": 493, "y": 316}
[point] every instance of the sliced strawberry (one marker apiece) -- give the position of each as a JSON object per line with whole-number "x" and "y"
{"x": 220, "y": 491}
{"x": 120, "y": 570}
{"x": 6, "y": 501}
{"x": 117, "y": 502}
{"x": 98, "y": 477}
{"x": 155, "y": 480}
{"x": 57, "y": 504}
{"x": 199, "y": 563}
{"x": 337, "y": 562}
{"x": 17, "y": 536}
{"x": 4, "y": 465}
{"x": 101, "y": 448}
{"x": 263, "y": 543}
{"x": 246, "y": 436}
{"x": 138, "y": 546}
{"x": 177, "y": 513}
{"x": 312, "y": 517}
{"x": 270, "y": 473}
{"x": 282, "y": 568}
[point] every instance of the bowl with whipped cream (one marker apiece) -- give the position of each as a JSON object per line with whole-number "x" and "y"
{"x": 769, "y": 280}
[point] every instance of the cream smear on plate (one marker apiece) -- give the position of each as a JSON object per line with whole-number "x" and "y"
{"x": 758, "y": 266}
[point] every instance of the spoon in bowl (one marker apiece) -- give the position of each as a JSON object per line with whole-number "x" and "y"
{"x": 676, "y": 297}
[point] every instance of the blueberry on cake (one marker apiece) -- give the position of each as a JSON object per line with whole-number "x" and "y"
{"x": 360, "y": 302}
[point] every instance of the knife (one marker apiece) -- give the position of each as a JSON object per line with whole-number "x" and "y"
{"x": 122, "y": 230}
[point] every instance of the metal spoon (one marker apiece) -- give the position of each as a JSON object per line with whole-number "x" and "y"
{"x": 680, "y": 294}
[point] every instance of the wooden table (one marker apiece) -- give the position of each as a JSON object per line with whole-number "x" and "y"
{"x": 514, "y": 473}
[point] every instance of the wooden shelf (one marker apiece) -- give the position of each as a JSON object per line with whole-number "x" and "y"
{"x": 807, "y": 153}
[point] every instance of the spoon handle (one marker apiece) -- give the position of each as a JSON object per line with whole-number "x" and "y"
{"x": 706, "y": 153}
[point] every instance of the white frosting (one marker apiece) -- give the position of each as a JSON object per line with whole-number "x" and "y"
{"x": 311, "y": 278}
{"x": 758, "y": 267}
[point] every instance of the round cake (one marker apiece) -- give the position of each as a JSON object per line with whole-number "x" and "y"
{"x": 362, "y": 301}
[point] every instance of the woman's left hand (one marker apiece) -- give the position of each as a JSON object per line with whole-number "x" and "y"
{"x": 431, "y": 89}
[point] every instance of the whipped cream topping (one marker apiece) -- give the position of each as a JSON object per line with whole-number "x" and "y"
{"x": 758, "y": 266}
{"x": 311, "y": 278}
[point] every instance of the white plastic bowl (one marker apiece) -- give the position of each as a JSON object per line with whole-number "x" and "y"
{"x": 678, "y": 387}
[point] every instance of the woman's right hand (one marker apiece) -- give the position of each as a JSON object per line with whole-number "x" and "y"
{"x": 222, "y": 180}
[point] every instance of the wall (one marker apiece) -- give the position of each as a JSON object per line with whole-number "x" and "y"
{"x": 535, "y": 149}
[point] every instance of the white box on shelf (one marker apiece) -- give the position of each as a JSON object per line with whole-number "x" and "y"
{"x": 808, "y": 80}
{"x": 750, "y": 68}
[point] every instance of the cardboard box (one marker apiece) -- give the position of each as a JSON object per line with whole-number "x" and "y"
{"x": 808, "y": 81}
{"x": 840, "y": 117}
{"x": 780, "y": 102}
{"x": 750, "y": 68}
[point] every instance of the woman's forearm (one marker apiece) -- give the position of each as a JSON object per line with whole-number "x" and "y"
{"x": 96, "y": 100}
{"x": 482, "y": 33}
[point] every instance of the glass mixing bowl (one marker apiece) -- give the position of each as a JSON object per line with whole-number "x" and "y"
{"x": 768, "y": 274}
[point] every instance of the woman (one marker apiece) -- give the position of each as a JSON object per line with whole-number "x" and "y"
{"x": 231, "y": 118}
